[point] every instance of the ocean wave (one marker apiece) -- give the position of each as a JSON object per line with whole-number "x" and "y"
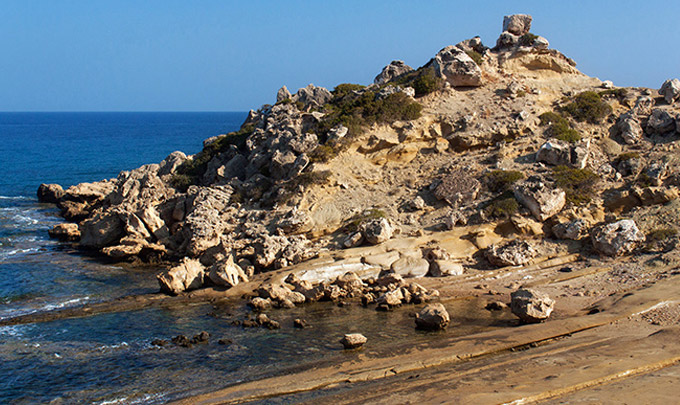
{"x": 64, "y": 304}
{"x": 15, "y": 331}
{"x": 15, "y": 198}
{"x": 15, "y": 312}
{"x": 132, "y": 401}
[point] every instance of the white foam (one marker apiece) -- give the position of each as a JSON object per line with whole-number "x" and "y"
{"x": 71, "y": 302}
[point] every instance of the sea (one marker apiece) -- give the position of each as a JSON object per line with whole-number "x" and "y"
{"x": 109, "y": 358}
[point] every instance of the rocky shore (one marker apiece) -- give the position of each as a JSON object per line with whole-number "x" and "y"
{"x": 500, "y": 172}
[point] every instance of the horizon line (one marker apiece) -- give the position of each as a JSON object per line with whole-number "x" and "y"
{"x": 121, "y": 111}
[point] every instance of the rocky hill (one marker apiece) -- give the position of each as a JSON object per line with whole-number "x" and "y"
{"x": 479, "y": 159}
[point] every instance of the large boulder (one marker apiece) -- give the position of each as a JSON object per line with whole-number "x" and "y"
{"x": 395, "y": 69}
{"x": 517, "y": 24}
{"x": 312, "y": 96}
{"x": 353, "y": 340}
{"x": 514, "y": 253}
{"x": 542, "y": 200}
{"x": 574, "y": 229}
{"x": 629, "y": 128}
{"x": 187, "y": 275}
{"x": 65, "y": 232}
{"x": 670, "y": 90}
{"x": 531, "y": 306}
{"x": 227, "y": 273}
{"x": 457, "y": 187}
{"x": 456, "y": 67}
{"x": 409, "y": 266}
{"x": 102, "y": 229}
{"x": 556, "y": 153}
{"x": 50, "y": 193}
{"x": 617, "y": 238}
{"x": 376, "y": 231}
{"x": 432, "y": 317}
{"x": 283, "y": 94}
{"x": 660, "y": 122}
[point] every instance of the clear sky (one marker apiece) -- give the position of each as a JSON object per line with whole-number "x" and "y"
{"x": 181, "y": 55}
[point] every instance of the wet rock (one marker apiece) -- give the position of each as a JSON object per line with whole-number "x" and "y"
{"x": 457, "y": 187}
{"x": 408, "y": 266}
{"x": 574, "y": 229}
{"x": 181, "y": 340}
{"x": 281, "y": 293}
{"x": 617, "y": 238}
{"x": 201, "y": 338}
{"x": 670, "y": 90}
{"x": 495, "y": 306}
{"x": 159, "y": 342}
{"x": 65, "y": 232}
{"x": 514, "y": 253}
{"x": 517, "y": 24}
{"x": 187, "y": 275}
{"x": 300, "y": 323}
{"x": 531, "y": 306}
{"x": 265, "y": 321}
{"x": 432, "y": 317}
{"x": 353, "y": 340}
{"x": 395, "y": 69}
{"x": 376, "y": 231}
{"x": 50, "y": 193}
{"x": 542, "y": 200}
{"x": 389, "y": 300}
{"x": 456, "y": 67}
{"x": 260, "y": 304}
{"x": 225, "y": 341}
{"x": 226, "y": 273}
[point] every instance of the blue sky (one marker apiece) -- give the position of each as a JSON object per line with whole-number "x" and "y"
{"x": 167, "y": 55}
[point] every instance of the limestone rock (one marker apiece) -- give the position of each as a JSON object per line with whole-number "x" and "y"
{"x": 395, "y": 69}
{"x": 65, "y": 232}
{"x": 353, "y": 240}
{"x": 540, "y": 199}
{"x": 629, "y": 128}
{"x": 349, "y": 282}
{"x": 531, "y": 306}
{"x": 660, "y": 122}
{"x": 456, "y": 67}
{"x": 312, "y": 96}
{"x": 432, "y": 317}
{"x": 574, "y": 229}
{"x": 101, "y": 230}
{"x": 514, "y": 253}
{"x": 187, "y": 275}
{"x": 277, "y": 292}
{"x": 556, "y": 152}
{"x": 517, "y": 24}
{"x": 670, "y": 90}
{"x": 617, "y": 238}
{"x": 227, "y": 273}
{"x": 50, "y": 193}
{"x": 444, "y": 268}
{"x": 390, "y": 299}
{"x": 353, "y": 340}
{"x": 458, "y": 187}
{"x": 283, "y": 94}
{"x": 472, "y": 44}
{"x": 260, "y": 304}
{"x": 409, "y": 266}
{"x": 170, "y": 164}
{"x": 376, "y": 231}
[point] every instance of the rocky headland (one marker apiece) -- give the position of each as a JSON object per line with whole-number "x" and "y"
{"x": 497, "y": 172}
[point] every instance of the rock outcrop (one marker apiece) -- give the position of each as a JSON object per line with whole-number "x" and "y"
{"x": 456, "y": 67}
{"x": 395, "y": 69}
{"x": 617, "y": 238}
{"x": 670, "y": 90}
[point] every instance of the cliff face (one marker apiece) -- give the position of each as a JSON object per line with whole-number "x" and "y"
{"x": 512, "y": 140}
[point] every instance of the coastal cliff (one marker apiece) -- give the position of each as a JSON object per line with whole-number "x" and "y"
{"x": 511, "y": 148}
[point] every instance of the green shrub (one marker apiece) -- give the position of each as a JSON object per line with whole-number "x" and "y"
{"x": 619, "y": 93}
{"x": 627, "y": 156}
{"x": 588, "y": 106}
{"x": 578, "y": 184}
{"x": 181, "y": 182}
{"x": 324, "y": 153}
{"x": 527, "y": 39}
{"x": 373, "y": 213}
{"x": 502, "y": 207}
{"x": 502, "y": 180}
{"x": 476, "y": 56}
{"x": 342, "y": 90}
{"x": 559, "y": 127}
{"x": 424, "y": 80}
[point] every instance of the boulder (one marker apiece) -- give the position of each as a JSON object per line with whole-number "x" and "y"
{"x": 103, "y": 229}
{"x": 542, "y": 200}
{"x": 443, "y": 268}
{"x": 556, "y": 153}
{"x": 280, "y": 293}
{"x": 472, "y": 44}
{"x": 187, "y": 275}
{"x": 514, "y": 253}
{"x": 376, "y": 231}
{"x": 660, "y": 122}
{"x": 670, "y": 90}
{"x": 395, "y": 69}
{"x": 507, "y": 40}
{"x": 574, "y": 229}
{"x": 517, "y": 24}
{"x": 170, "y": 164}
{"x": 283, "y": 94}
{"x": 409, "y": 266}
{"x": 390, "y": 299}
{"x": 617, "y": 238}
{"x": 629, "y": 128}
{"x": 65, "y": 232}
{"x": 260, "y": 304}
{"x": 656, "y": 172}
{"x": 457, "y": 187}
{"x": 432, "y": 317}
{"x": 456, "y": 67}
{"x": 312, "y": 96}
{"x": 349, "y": 282}
{"x": 531, "y": 306}
{"x": 226, "y": 273}
{"x": 353, "y": 340}
{"x": 50, "y": 193}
